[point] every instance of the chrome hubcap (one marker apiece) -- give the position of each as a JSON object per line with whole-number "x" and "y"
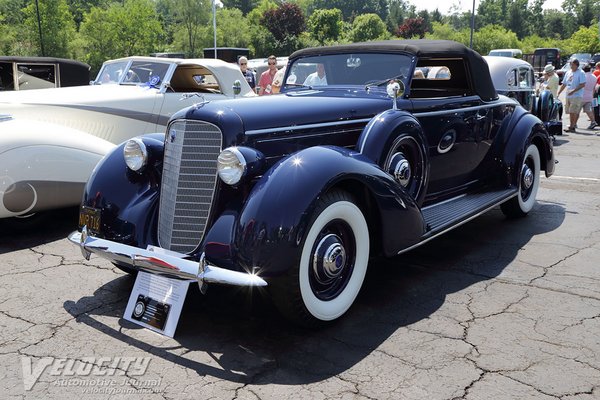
{"x": 401, "y": 169}
{"x": 527, "y": 177}
{"x": 329, "y": 259}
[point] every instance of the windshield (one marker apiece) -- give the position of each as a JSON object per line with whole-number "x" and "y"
{"x": 126, "y": 72}
{"x": 347, "y": 69}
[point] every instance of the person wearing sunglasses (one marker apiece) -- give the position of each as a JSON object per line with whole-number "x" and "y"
{"x": 248, "y": 74}
{"x": 266, "y": 78}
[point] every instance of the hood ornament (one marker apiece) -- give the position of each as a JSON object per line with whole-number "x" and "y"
{"x": 395, "y": 89}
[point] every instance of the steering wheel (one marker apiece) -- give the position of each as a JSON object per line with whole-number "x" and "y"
{"x": 132, "y": 77}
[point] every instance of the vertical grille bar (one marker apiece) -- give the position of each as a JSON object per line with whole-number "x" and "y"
{"x": 188, "y": 183}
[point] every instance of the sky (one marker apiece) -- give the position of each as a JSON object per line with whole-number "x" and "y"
{"x": 465, "y": 5}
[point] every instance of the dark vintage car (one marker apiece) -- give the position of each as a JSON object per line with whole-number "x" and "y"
{"x": 296, "y": 191}
{"x": 516, "y": 79}
{"x": 26, "y": 73}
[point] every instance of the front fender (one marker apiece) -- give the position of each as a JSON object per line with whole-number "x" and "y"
{"x": 127, "y": 200}
{"x": 274, "y": 220}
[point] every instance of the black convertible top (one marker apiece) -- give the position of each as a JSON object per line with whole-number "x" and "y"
{"x": 72, "y": 72}
{"x": 481, "y": 80}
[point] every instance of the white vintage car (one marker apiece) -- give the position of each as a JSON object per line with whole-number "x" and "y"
{"x": 51, "y": 139}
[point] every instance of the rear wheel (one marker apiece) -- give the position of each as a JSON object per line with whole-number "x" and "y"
{"x": 333, "y": 263}
{"x": 529, "y": 181}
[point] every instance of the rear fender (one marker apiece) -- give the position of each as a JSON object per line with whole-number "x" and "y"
{"x": 522, "y": 130}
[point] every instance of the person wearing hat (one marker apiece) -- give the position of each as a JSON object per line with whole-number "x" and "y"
{"x": 550, "y": 80}
{"x": 573, "y": 83}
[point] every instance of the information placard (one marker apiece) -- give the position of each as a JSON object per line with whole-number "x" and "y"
{"x": 156, "y": 302}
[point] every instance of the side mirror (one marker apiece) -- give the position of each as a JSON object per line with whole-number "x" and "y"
{"x": 237, "y": 87}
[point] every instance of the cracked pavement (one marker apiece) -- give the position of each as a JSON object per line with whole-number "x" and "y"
{"x": 495, "y": 309}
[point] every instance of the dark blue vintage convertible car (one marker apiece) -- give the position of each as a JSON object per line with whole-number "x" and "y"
{"x": 401, "y": 142}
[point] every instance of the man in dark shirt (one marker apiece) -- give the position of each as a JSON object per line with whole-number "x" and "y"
{"x": 248, "y": 74}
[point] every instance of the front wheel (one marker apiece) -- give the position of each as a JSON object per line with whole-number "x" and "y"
{"x": 529, "y": 182}
{"x": 333, "y": 263}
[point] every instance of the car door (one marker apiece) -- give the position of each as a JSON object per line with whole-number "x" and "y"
{"x": 456, "y": 123}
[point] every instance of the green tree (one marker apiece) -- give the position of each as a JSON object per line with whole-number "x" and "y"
{"x": 12, "y": 11}
{"x": 446, "y": 31}
{"x": 13, "y": 38}
{"x": 397, "y": 12}
{"x": 262, "y": 42}
{"x": 584, "y": 40}
{"x": 518, "y": 17}
{"x": 532, "y": 42}
{"x": 79, "y": 7}
{"x": 56, "y": 26}
{"x": 326, "y": 25}
{"x": 490, "y": 12}
{"x": 245, "y": 6}
{"x": 536, "y": 14}
{"x": 353, "y": 8}
{"x": 554, "y": 25}
{"x": 121, "y": 30}
{"x": 232, "y": 28}
{"x": 368, "y": 27}
{"x": 494, "y": 37}
{"x": 191, "y": 20}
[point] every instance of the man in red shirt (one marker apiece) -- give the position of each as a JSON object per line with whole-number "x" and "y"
{"x": 596, "y": 72}
{"x": 266, "y": 78}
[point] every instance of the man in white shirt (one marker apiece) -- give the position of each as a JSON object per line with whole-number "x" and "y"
{"x": 573, "y": 82}
{"x": 317, "y": 78}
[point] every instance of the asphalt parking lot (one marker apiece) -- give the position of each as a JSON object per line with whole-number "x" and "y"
{"x": 496, "y": 309}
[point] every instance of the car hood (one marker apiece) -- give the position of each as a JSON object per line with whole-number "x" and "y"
{"x": 295, "y": 108}
{"x": 77, "y": 95}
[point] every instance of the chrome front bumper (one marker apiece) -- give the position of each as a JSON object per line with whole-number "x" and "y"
{"x": 159, "y": 262}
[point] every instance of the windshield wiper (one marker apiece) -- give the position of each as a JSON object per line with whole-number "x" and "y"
{"x": 298, "y": 85}
{"x": 383, "y": 81}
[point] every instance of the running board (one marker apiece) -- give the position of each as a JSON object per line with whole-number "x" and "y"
{"x": 454, "y": 212}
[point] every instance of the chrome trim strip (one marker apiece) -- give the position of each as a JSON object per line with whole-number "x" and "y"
{"x": 171, "y": 265}
{"x": 117, "y": 112}
{"x": 466, "y": 109}
{"x": 307, "y": 126}
{"x": 414, "y": 246}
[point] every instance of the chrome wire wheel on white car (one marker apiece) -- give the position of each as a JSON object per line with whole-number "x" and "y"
{"x": 529, "y": 182}
{"x": 333, "y": 263}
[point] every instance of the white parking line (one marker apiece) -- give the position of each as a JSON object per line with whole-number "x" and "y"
{"x": 574, "y": 178}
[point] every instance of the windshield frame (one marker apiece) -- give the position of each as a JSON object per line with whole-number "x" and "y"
{"x": 349, "y": 69}
{"x": 116, "y": 67}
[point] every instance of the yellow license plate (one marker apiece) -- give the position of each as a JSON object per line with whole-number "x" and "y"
{"x": 90, "y": 217}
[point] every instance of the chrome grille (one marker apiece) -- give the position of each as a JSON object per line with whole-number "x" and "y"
{"x": 188, "y": 183}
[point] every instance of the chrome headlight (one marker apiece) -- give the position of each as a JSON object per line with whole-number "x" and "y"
{"x": 231, "y": 165}
{"x": 136, "y": 154}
